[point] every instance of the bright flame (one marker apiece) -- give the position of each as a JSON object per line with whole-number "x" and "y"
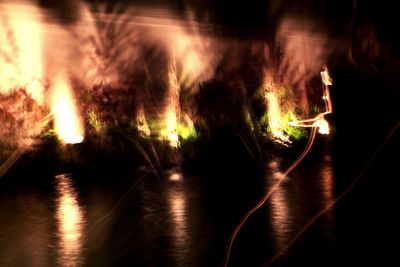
{"x": 67, "y": 124}
{"x": 172, "y": 133}
{"x": 173, "y": 108}
{"x": 275, "y": 117}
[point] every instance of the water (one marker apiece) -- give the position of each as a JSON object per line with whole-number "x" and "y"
{"x": 135, "y": 218}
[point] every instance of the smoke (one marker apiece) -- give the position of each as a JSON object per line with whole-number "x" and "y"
{"x": 305, "y": 50}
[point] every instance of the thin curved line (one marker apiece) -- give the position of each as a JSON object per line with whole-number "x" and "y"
{"x": 266, "y": 196}
{"x": 333, "y": 202}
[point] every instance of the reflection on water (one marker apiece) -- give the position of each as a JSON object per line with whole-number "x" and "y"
{"x": 176, "y": 196}
{"x": 182, "y": 220}
{"x": 24, "y": 230}
{"x": 280, "y": 209}
{"x": 70, "y": 222}
{"x": 327, "y": 185}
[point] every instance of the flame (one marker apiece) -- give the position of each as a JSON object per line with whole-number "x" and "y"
{"x": 278, "y": 115}
{"x": 275, "y": 121}
{"x": 67, "y": 123}
{"x": 171, "y": 129}
{"x": 173, "y": 108}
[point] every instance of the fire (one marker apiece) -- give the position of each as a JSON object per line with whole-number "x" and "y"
{"x": 275, "y": 118}
{"x": 280, "y": 110}
{"x": 171, "y": 129}
{"x": 173, "y": 108}
{"x": 67, "y": 123}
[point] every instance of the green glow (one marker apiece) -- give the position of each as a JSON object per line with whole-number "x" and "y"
{"x": 94, "y": 120}
{"x": 186, "y": 132}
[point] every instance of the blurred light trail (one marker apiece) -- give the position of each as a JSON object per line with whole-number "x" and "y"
{"x": 333, "y": 202}
{"x": 67, "y": 124}
{"x": 319, "y": 120}
{"x": 315, "y": 123}
{"x": 267, "y": 196}
{"x": 4, "y": 167}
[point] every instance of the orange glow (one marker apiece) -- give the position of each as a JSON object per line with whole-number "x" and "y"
{"x": 178, "y": 209}
{"x": 67, "y": 123}
{"x": 315, "y": 123}
{"x": 275, "y": 121}
{"x": 280, "y": 209}
{"x": 21, "y": 40}
{"x": 70, "y": 222}
{"x": 175, "y": 177}
{"x": 141, "y": 123}
{"x": 188, "y": 55}
{"x": 191, "y": 51}
{"x": 322, "y": 125}
{"x": 173, "y": 108}
{"x": 280, "y": 107}
{"x": 319, "y": 120}
{"x": 172, "y": 133}
{"x": 326, "y": 79}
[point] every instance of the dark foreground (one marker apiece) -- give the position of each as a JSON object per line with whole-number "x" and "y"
{"x": 77, "y": 216}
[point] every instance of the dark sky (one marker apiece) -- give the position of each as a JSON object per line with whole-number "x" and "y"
{"x": 255, "y": 17}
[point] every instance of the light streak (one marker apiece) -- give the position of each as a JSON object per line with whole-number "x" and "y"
{"x": 23, "y": 147}
{"x": 318, "y": 122}
{"x": 333, "y": 202}
{"x": 267, "y": 196}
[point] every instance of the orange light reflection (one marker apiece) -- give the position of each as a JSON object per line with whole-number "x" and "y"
{"x": 281, "y": 219}
{"x": 178, "y": 209}
{"x": 70, "y": 218}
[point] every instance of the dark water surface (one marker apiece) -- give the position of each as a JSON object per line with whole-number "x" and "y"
{"x": 134, "y": 218}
